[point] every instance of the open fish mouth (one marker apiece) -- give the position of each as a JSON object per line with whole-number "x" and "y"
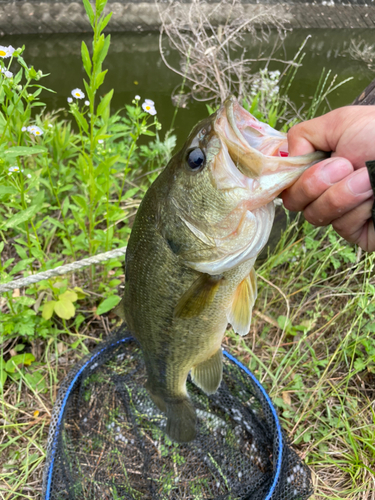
{"x": 257, "y": 135}
{"x": 254, "y": 155}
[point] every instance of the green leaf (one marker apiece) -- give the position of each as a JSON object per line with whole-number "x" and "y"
{"x": 65, "y": 206}
{"x": 108, "y": 304}
{"x": 3, "y": 373}
{"x": 81, "y": 201}
{"x": 81, "y": 120}
{"x": 18, "y": 361}
{"x": 283, "y": 322}
{"x": 21, "y": 265}
{"x": 100, "y": 79}
{"x": 130, "y": 192}
{"x": 104, "y": 49}
{"x": 89, "y": 92}
{"x": 36, "y": 380}
{"x": 65, "y": 309}
{"x": 86, "y": 58}
{"x": 3, "y": 377}
{"x": 104, "y": 103}
{"x": 1, "y": 246}
{"x": 103, "y": 23}
{"x": 89, "y": 11}
{"x": 23, "y": 151}
{"x": 69, "y": 295}
{"x": 48, "y": 309}
{"x": 100, "y": 4}
{"x": 21, "y": 251}
{"x": 307, "y": 437}
{"x": 19, "y": 347}
{"x": 80, "y": 293}
{"x": 22, "y": 216}
{"x": 5, "y": 190}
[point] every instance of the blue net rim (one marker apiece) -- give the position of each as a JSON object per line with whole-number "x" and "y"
{"x": 99, "y": 350}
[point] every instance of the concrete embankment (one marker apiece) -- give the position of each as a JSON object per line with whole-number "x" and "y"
{"x": 21, "y": 17}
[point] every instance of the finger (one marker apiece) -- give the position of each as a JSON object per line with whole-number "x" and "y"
{"x": 315, "y": 181}
{"x": 337, "y": 131}
{"x": 340, "y": 198}
{"x": 316, "y": 134}
{"x": 356, "y": 226}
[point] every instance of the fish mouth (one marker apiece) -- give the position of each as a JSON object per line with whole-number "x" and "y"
{"x": 254, "y": 155}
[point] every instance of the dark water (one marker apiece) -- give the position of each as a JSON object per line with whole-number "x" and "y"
{"x": 135, "y": 67}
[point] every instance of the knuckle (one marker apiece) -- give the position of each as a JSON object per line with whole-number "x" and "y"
{"x": 335, "y": 202}
{"x": 295, "y": 131}
{"x": 340, "y": 227}
{"x": 342, "y": 230}
{"x": 313, "y": 219}
{"x": 289, "y": 202}
{"x": 309, "y": 189}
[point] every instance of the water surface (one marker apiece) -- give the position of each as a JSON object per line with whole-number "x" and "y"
{"x": 135, "y": 67}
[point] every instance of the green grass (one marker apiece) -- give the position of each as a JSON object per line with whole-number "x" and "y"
{"x": 312, "y": 344}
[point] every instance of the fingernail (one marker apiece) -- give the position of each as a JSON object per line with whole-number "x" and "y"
{"x": 336, "y": 170}
{"x": 360, "y": 182}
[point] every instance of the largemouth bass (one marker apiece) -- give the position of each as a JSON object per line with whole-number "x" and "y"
{"x": 191, "y": 253}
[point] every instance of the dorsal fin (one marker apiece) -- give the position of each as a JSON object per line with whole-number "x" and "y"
{"x": 243, "y": 301}
{"x": 198, "y": 296}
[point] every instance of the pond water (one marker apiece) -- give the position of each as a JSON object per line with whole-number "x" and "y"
{"x": 135, "y": 67}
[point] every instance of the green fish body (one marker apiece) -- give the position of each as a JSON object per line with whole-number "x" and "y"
{"x": 190, "y": 256}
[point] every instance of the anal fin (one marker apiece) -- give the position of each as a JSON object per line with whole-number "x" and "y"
{"x": 242, "y": 306}
{"x": 198, "y": 296}
{"x": 208, "y": 374}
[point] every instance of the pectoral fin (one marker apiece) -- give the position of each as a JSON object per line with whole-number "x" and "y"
{"x": 200, "y": 295}
{"x": 242, "y": 305}
{"x": 208, "y": 375}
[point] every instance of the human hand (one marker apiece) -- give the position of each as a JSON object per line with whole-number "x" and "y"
{"x": 337, "y": 191}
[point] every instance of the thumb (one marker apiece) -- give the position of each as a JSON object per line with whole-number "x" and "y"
{"x": 312, "y": 135}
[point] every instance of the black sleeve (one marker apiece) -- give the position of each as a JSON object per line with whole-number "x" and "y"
{"x": 371, "y": 172}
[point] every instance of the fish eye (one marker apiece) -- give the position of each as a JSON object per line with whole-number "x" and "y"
{"x": 196, "y": 159}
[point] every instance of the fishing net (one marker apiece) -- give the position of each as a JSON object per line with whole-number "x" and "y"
{"x": 107, "y": 438}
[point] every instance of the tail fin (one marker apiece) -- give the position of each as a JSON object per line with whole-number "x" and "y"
{"x": 181, "y": 423}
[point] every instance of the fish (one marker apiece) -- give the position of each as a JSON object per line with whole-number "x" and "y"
{"x": 189, "y": 265}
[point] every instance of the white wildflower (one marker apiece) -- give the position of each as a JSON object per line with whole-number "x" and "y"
{"x": 33, "y": 129}
{"x": 274, "y": 75}
{"x": 29, "y": 176}
{"x": 137, "y": 97}
{"x": 70, "y": 100}
{"x": 50, "y": 125}
{"x": 78, "y": 94}
{"x": 149, "y": 107}
{"x": 87, "y": 103}
{"x": 23, "y": 129}
{"x": 15, "y": 168}
{"x": 7, "y": 73}
{"x": 100, "y": 141}
{"x": 6, "y": 51}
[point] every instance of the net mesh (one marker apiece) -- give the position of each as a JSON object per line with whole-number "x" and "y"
{"x": 107, "y": 438}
